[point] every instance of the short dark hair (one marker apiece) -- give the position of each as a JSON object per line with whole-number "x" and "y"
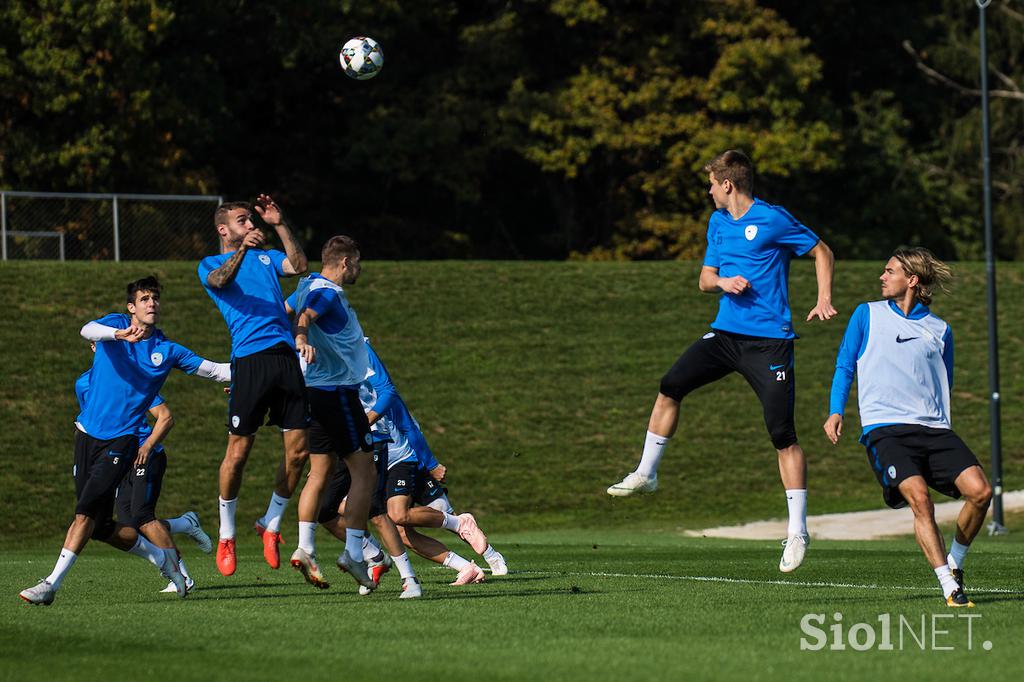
{"x": 337, "y": 247}
{"x": 149, "y": 284}
{"x": 220, "y": 216}
{"x": 736, "y": 167}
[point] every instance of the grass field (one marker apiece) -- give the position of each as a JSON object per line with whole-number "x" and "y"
{"x": 578, "y": 605}
{"x": 533, "y": 382}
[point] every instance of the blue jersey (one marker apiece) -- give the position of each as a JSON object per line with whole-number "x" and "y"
{"x": 144, "y": 429}
{"x": 252, "y": 303}
{"x": 758, "y": 247}
{"x": 127, "y": 377}
{"x": 903, "y": 364}
{"x": 407, "y": 439}
{"x": 341, "y": 358}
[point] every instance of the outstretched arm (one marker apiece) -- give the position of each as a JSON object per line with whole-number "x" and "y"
{"x": 850, "y": 350}
{"x": 272, "y": 215}
{"x": 824, "y": 264}
{"x": 96, "y": 332}
{"x": 218, "y": 371}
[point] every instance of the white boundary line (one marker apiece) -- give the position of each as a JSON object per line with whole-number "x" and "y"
{"x": 750, "y": 581}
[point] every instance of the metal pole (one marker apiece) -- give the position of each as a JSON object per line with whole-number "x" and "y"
{"x": 3, "y": 222}
{"x": 61, "y": 247}
{"x": 996, "y": 527}
{"x": 117, "y": 234}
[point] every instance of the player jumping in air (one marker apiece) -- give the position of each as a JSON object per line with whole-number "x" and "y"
{"x": 902, "y": 355}
{"x": 750, "y": 245}
{"x": 243, "y": 281}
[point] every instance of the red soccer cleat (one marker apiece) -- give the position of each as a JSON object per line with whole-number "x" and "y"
{"x": 226, "y": 556}
{"x": 270, "y": 551}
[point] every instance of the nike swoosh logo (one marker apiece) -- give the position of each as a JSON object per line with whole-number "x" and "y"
{"x": 909, "y": 338}
{"x": 775, "y": 367}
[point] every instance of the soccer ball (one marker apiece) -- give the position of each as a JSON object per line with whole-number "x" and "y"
{"x": 361, "y": 58}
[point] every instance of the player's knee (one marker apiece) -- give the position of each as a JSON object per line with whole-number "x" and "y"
{"x": 783, "y": 436}
{"x": 920, "y": 502}
{"x": 981, "y": 496}
{"x": 668, "y": 388}
{"x": 400, "y": 517}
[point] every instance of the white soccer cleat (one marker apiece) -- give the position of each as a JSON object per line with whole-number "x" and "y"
{"x": 634, "y": 484}
{"x": 197, "y": 533}
{"x": 471, "y": 533}
{"x": 497, "y": 564}
{"x": 41, "y": 594}
{"x": 469, "y": 575}
{"x": 356, "y": 568}
{"x": 173, "y": 573}
{"x": 189, "y": 584}
{"x": 411, "y": 589}
{"x": 793, "y": 554}
{"x": 305, "y": 563}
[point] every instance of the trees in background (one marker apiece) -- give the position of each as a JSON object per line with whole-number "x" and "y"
{"x": 527, "y": 129}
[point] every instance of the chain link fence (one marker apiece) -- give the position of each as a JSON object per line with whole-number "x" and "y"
{"x": 65, "y": 226}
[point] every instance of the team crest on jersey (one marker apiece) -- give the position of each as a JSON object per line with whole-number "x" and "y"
{"x": 265, "y": 259}
{"x": 157, "y": 358}
{"x": 892, "y": 472}
{"x": 750, "y": 232}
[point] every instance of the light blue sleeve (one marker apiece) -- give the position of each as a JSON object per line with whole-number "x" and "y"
{"x": 278, "y": 258}
{"x": 947, "y": 354}
{"x": 711, "y": 256}
{"x": 184, "y": 359}
{"x": 793, "y": 234}
{"x": 381, "y": 382}
{"x": 855, "y": 340}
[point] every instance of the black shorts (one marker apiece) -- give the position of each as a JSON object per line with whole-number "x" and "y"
{"x": 100, "y": 466}
{"x": 339, "y": 424}
{"x": 766, "y": 364}
{"x": 899, "y": 452}
{"x": 338, "y": 487}
{"x": 408, "y": 479}
{"x": 139, "y": 491}
{"x": 268, "y": 380}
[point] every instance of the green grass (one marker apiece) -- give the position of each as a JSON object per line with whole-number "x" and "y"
{"x": 533, "y": 382}
{"x": 591, "y": 604}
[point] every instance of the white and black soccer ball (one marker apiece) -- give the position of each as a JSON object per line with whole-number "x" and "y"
{"x": 362, "y": 58}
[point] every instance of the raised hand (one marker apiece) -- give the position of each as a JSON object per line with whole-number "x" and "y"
{"x": 131, "y": 334}
{"x": 268, "y": 210}
{"x": 253, "y": 239}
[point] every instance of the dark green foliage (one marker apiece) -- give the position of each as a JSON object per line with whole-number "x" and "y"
{"x": 535, "y": 129}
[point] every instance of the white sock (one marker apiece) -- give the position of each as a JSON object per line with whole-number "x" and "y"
{"x": 454, "y": 561}
{"x": 64, "y": 563}
{"x": 654, "y": 449}
{"x": 307, "y": 531}
{"x": 957, "y": 554}
{"x": 404, "y": 565}
{"x": 148, "y": 551}
{"x": 354, "y": 542}
{"x": 450, "y": 522}
{"x": 179, "y": 524}
{"x": 371, "y": 550}
{"x": 949, "y": 585}
{"x": 489, "y": 553}
{"x": 275, "y": 510}
{"x": 227, "y": 518}
{"x": 796, "y": 499}
{"x": 184, "y": 571}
